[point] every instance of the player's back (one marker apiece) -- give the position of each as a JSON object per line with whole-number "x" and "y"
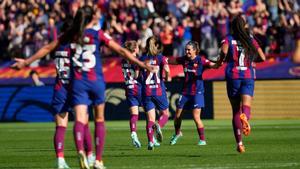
{"x": 152, "y": 83}
{"x": 132, "y": 83}
{"x": 239, "y": 64}
{"x": 62, "y": 65}
{"x": 86, "y": 57}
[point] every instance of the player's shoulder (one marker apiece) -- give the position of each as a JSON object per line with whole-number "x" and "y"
{"x": 91, "y": 31}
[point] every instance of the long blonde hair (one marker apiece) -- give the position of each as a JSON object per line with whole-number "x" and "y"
{"x": 153, "y": 46}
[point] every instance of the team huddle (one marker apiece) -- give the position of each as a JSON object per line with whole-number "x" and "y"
{"x": 80, "y": 83}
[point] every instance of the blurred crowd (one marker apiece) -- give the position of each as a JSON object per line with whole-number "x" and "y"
{"x": 26, "y": 25}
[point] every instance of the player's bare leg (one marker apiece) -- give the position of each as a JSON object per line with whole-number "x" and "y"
{"x": 199, "y": 125}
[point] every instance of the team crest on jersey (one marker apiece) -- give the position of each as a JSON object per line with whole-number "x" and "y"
{"x": 86, "y": 39}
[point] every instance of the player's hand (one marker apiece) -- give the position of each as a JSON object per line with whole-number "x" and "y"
{"x": 168, "y": 79}
{"x": 151, "y": 68}
{"x": 19, "y": 64}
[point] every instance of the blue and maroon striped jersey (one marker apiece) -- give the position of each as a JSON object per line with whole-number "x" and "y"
{"x": 62, "y": 65}
{"x": 193, "y": 69}
{"x": 239, "y": 65}
{"x": 152, "y": 83}
{"x": 86, "y": 58}
{"x": 133, "y": 86}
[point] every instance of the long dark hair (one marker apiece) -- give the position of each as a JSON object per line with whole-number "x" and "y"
{"x": 84, "y": 15}
{"x": 240, "y": 33}
{"x": 67, "y": 24}
{"x": 153, "y": 46}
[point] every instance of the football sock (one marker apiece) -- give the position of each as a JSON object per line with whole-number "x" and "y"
{"x": 88, "y": 139}
{"x": 163, "y": 119}
{"x": 133, "y": 119}
{"x": 177, "y": 125}
{"x": 201, "y": 133}
{"x": 237, "y": 126}
{"x": 79, "y": 135}
{"x": 247, "y": 110}
{"x": 150, "y": 131}
{"x": 59, "y": 137}
{"x": 100, "y": 132}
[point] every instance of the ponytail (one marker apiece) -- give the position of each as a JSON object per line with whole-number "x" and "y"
{"x": 153, "y": 46}
{"x": 240, "y": 33}
{"x": 84, "y": 15}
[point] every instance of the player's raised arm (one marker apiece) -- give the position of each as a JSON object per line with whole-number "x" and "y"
{"x": 222, "y": 54}
{"x": 21, "y": 63}
{"x": 261, "y": 56}
{"x": 129, "y": 56}
{"x": 167, "y": 70}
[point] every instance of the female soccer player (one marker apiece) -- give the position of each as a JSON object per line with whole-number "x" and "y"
{"x": 133, "y": 90}
{"x": 192, "y": 97}
{"x": 61, "y": 100}
{"x": 154, "y": 90}
{"x": 239, "y": 50}
{"x": 88, "y": 84}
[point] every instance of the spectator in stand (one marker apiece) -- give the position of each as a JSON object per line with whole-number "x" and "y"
{"x": 146, "y": 33}
{"x": 296, "y": 55}
{"x": 119, "y": 15}
{"x": 259, "y": 31}
{"x": 4, "y": 41}
{"x": 234, "y": 8}
{"x": 187, "y": 34}
{"x": 36, "y": 78}
{"x": 273, "y": 8}
{"x": 166, "y": 37}
{"x": 222, "y": 22}
{"x": 178, "y": 35}
{"x": 131, "y": 33}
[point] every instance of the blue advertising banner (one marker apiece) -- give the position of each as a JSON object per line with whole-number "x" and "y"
{"x": 33, "y": 104}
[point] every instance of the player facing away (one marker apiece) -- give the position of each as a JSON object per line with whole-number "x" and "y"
{"x": 154, "y": 94}
{"x": 239, "y": 49}
{"x": 133, "y": 90}
{"x": 192, "y": 95}
{"x": 61, "y": 100}
{"x": 88, "y": 83}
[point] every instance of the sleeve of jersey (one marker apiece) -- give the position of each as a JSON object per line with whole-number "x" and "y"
{"x": 225, "y": 41}
{"x": 205, "y": 62}
{"x": 104, "y": 37}
{"x": 164, "y": 60}
{"x": 255, "y": 43}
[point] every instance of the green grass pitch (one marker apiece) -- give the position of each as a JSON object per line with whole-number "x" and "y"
{"x": 272, "y": 144}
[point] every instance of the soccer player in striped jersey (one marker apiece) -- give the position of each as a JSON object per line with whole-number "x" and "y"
{"x": 88, "y": 83}
{"x": 239, "y": 49}
{"x": 61, "y": 100}
{"x": 192, "y": 96}
{"x": 154, "y": 90}
{"x": 133, "y": 90}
